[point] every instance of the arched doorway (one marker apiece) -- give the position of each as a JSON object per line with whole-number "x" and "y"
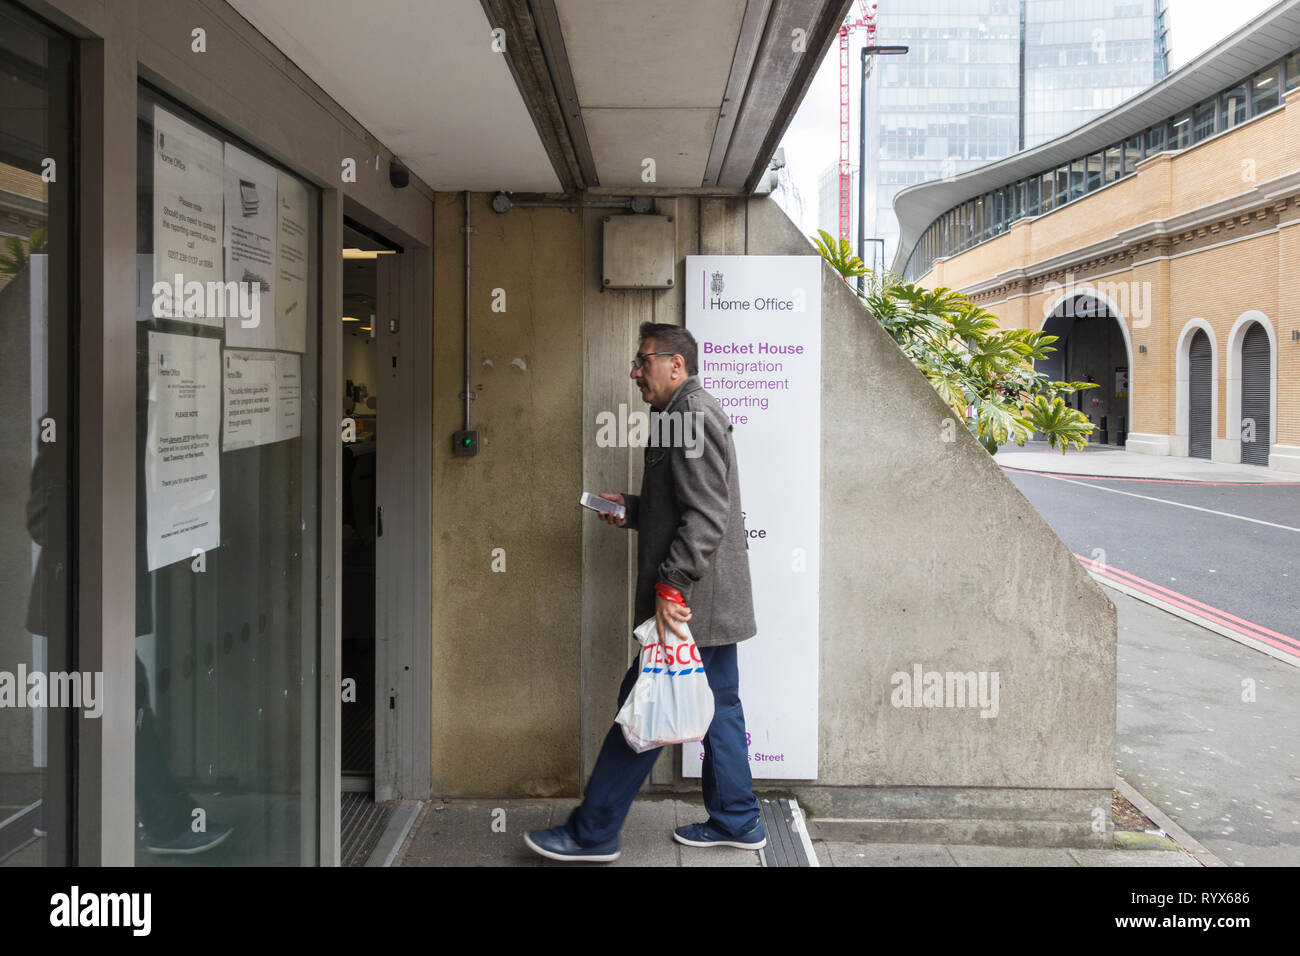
{"x": 1200, "y": 395}
{"x": 1256, "y": 361}
{"x": 1091, "y": 347}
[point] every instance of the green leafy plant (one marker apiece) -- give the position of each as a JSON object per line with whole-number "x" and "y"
{"x": 984, "y": 373}
{"x": 17, "y": 252}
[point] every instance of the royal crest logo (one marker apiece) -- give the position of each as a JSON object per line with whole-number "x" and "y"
{"x": 716, "y": 285}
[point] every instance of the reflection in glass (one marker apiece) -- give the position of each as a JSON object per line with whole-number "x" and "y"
{"x": 38, "y": 698}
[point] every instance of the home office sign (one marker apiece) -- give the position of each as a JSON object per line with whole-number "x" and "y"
{"x": 757, "y": 320}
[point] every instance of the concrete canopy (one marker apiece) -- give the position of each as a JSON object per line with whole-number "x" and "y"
{"x": 585, "y": 92}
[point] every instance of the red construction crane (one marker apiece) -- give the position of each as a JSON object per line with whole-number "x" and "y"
{"x": 865, "y": 17}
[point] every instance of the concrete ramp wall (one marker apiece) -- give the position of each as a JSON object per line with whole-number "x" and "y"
{"x": 932, "y": 559}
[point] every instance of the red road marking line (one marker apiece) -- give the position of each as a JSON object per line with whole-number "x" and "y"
{"x": 1218, "y": 616}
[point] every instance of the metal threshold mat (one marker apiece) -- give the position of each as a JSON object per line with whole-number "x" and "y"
{"x": 361, "y": 824}
{"x": 788, "y": 843}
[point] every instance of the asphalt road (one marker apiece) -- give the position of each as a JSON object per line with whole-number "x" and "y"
{"x": 1234, "y": 547}
{"x": 1207, "y": 728}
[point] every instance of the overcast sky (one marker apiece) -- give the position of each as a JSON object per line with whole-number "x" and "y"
{"x": 813, "y": 140}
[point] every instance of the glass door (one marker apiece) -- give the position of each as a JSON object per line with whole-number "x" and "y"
{"x": 40, "y": 688}
{"x": 227, "y": 596}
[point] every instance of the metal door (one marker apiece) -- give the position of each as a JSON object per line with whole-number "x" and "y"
{"x": 1255, "y": 363}
{"x": 1199, "y": 397}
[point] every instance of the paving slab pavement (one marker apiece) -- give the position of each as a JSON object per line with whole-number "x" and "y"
{"x": 490, "y": 833}
{"x": 1117, "y": 463}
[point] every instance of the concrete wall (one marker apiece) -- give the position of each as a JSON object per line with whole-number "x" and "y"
{"x": 505, "y": 711}
{"x": 931, "y": 556}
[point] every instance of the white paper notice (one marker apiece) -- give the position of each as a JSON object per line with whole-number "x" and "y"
{"x": 182, "y": 469}
{"x": 288, "y": 396}
{"x": 187, "y": 205}
{"x": 249, "y": 407}
{"x": 250, "y": 244}
{"x": 263, "y": 398}
{"x": 291, "y": 266}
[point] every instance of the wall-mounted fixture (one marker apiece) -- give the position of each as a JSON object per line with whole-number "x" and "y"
{"x": 640, "y": 252}
{"x": 1142, "y": 348}
{"x": 398, "y": 175}
{"x": 1295, "y": 334}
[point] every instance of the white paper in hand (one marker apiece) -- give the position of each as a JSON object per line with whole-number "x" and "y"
{"x": 671, "y": 702}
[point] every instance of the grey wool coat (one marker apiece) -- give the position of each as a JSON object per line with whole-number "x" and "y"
{"x": 691, "y": 533}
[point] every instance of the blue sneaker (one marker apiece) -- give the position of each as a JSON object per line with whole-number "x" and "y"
{"x": 556, "y": 844}
{"x": 705, "y": 834}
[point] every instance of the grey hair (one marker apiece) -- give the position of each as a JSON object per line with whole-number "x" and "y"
{"x": 672, "y": 338}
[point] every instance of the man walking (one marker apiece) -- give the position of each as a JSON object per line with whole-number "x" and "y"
{"x": 692, "y": 566}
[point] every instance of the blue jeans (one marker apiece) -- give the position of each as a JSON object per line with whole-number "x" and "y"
{"x": 725, "y": 777}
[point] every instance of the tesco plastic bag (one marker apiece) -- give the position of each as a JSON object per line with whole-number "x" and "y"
{"x": 671, "y": 702}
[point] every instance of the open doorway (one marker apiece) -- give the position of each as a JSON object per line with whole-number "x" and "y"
{"x": 360, "y": 415}
{"x": 385, "y": 384}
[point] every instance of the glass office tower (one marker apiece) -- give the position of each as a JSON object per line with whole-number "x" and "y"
{"x": 1084, "y": 57}
{"x": 985, "y": 78}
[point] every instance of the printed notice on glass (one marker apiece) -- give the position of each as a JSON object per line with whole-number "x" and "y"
{"x": 288, "y": 395}
{"x": 182, "y": 471}
{"x": 291, "y": 266}
{"x": 250, "y": 247}
{"x": 262, "y": 398}
{"x": 187, "y": 209}
{"x": 249, "y": 399}
{"x": 757, "y": 321}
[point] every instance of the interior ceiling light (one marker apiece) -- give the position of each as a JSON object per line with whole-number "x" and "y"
{"x": 367, "y": 253}
{"x": 348, "y": 318}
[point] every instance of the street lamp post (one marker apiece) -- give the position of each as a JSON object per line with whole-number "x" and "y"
{"x": 862, "y": 152}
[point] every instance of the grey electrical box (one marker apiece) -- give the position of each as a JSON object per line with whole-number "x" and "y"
{"x": 640, "y": 252}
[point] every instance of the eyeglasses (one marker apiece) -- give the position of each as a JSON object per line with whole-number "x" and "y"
{"x": 639, "y": 361}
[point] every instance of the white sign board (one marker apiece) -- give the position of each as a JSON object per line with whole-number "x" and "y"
{"x": 182, "y": 469}
{"x": 757, "y": 322}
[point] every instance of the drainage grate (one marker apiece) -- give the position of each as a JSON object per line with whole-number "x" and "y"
{"x": 787, "y": 835}
{"x": 361, "y": 824}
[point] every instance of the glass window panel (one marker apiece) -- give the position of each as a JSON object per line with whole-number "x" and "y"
{"x": 1114, "y": 163}
{"x": 1233, "y": 106}
{"x": 1203, "y": 122}
{"x": 1047, "y": 192}
{"x": 1132, "y": 154}
{"x": 36, "y": 349}
{"x": 227, "y": 708}
{"x": 1263, "y": 90}
{"x": 1180, "y": 132}
{"x": 1155, "y": 140}
{"x": 1078, "y": 178}
{"x": 1062, "y": 185}
{"x": 1293, "y": 71}
{"x": 1094, "y": 165}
